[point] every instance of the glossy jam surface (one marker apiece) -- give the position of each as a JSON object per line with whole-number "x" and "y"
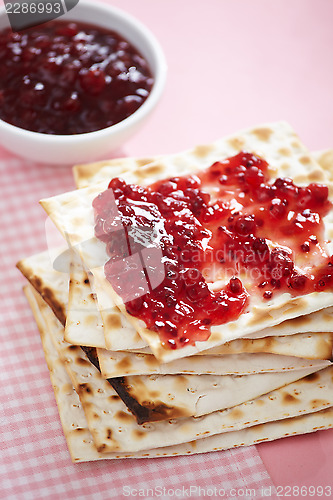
{"x": 223, "y": 235}
{"x": 69, "y": 78}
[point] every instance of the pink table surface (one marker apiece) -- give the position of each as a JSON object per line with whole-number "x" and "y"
{"x": 233, "y": 64}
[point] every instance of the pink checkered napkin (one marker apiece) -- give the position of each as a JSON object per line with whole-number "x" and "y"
{"x": 34, "y": 461}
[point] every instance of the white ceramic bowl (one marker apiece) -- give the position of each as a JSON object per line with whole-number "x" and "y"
{"x": 81, "y": 148}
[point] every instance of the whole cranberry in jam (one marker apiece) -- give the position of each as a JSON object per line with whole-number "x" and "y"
{"x": 70, "y": 78}
{"x": 228, "y": 224}
{"x": 245, "y": 225}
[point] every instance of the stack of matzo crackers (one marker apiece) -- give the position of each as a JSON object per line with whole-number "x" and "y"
{"x": 120, "y": 392}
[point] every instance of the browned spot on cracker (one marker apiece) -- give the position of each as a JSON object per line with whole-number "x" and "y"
{"x": 93, "y": 296}
{"x": 57, "y": 307}
{"x": 284, "y": 151}
{"x": 47, "y": 294}
{"x": 77, "y": 221}
{"x": 326, "y": 161}
{"x": 73, "y": 347}
{"x": 137, "y": 434}
{"x": 90, "y": 320}
{"x": 181, "y": 381}
{"x": 85, "y": 388}
{"x": 202, "y": 150}
{"x": 305, "y": 160}
{"x": 155, "y": 394}
{"x": 296, "y": 145}
{"x": 263, "y": 134}
{"x": 83, "y": 362}
{"x": 37, "y": 282}
{"x": 141, "y": 162}
{"x": 317, "y": 403}
{"x": 108, "y": 434}
{"x": 285, "y": 166}
{"x": 123, "y": 417}
{"x": 151, "y": 361}
{"x": 113, "y": 321}
{"x": 153, "y": 170}
{"x": 236, "y": 143}
{"x": 236, "y": 413}
{"x": 316, "y": 176}
{"x": 286, "y": 421}
{"x": 259, "y": 427}
{"x": 124, "y": 364}
{"x": 86, "y": 281}
{"x": 289, "y": 398}
{"x": 312, "y": 377}
{"x": 115, "y": 397}
{"x": 88, "y": 170}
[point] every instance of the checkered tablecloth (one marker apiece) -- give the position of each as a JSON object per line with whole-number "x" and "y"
{"x": 34, "y": 461}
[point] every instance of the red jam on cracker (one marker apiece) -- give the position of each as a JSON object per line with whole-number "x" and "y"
{"x": 224, "y": 234}
{"x": 69, "y": 78}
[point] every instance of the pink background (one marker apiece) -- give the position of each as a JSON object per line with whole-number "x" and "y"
{"x": 234, "y": 64}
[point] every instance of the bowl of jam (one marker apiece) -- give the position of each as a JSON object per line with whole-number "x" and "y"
{"x": 76, "y": 88}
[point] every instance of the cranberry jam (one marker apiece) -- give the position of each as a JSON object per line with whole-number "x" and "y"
{"x": 69, "y": 78}
{"x": 225, "y": 234}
